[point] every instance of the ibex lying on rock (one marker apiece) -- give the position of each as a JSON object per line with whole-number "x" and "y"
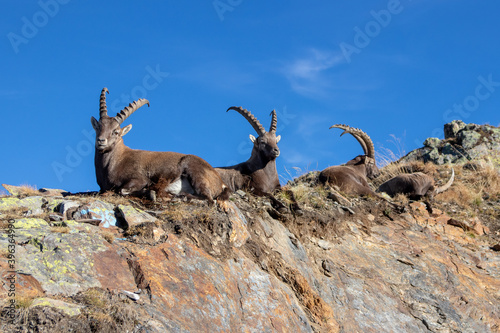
{"x": 258, "y": 174}
{"x": 352, "y": 178}
{"x": 415, "y": 185}
{"x": 129, "y": 171}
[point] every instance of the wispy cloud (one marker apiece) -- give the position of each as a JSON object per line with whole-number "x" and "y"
{"x": 307, "y": 74}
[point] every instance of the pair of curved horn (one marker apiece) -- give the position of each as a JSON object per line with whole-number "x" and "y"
{"x": 123, "y": 114}
{"x": 257, "y": 126}
{"x": 364, "y": 140}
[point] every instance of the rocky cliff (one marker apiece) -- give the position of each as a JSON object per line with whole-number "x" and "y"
{"x": 104, "y": 263}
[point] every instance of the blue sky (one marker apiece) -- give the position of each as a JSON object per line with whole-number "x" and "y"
{"x": 392, "y": 68}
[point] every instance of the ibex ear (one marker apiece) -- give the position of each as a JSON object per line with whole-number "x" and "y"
{"x": 126, "y": 129}
{"x": 252, "y": 138}
{"x": 278, "y": 138}
{"x": 95, "y": 123}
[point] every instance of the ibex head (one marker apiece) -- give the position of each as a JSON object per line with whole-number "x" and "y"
{"x": 108, "y": 130}
{"x": 266, "y": 144}
{"x": 368, "y": 159}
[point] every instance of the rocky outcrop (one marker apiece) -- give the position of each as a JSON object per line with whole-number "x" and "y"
{"x": 462, "y": 142}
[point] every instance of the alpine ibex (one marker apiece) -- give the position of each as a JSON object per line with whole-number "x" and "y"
{"x": 352, "y": 178}
{"x": 258, "y": 173}
{"x": 415, "y": 185}
{"x": 129, "y": 171}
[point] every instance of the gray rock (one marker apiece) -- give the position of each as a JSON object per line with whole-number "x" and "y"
{"x": 325, "y": 245}
{"x": 434, "y": 156}
{"x": 452, "y": 129}
{"x": 468, "y": 139}
{"x": 67, "y": 308}
{"x": 432, "y": 142}
{"x": 328, "y": 266}
{"x": 133, "y": 216}
{"x": 31, "y": 205}
{"x": 448, "y": 149}
{"x": 97, "y": 210}
{"x": 65, "y": 206}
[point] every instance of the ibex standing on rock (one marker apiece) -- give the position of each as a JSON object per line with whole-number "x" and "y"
{"x": 415, "y": 185}
{"x": 352, "y": 178}
{"x": 129, "y": 171}
{"x": 258, "y": 173}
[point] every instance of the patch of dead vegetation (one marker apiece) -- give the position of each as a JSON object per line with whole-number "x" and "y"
{"x": 207, "y": 226}
{"x": 60, "y": 229}
{"x": 474, "y": 193}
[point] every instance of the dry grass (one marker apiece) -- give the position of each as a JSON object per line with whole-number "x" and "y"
{"x": 109, "y": 312}
{"x": 175, "y": 212}
{"x": 386, "y": 156}
{"x": 315, "y": 197}
{"x": 95, "y": 298}
{"x": 23, "y": 304}
{"x": 29, "y": 189}
{"x": 4, "y": 253}
{"x": 401, "y": 199}
{"x": 291, "y": 176}
{"x": 61, "y": 230}
{"x": 4, "y": 224}
{"x": 472, "y": 187}
{"x": 108, "y": 236}
{"x": 204, "y": 214}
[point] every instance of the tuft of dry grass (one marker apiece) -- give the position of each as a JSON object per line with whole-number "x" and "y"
{"x": 204, "y": 214}
{"x": 386, "y": 156}
{"x": 290, "y": 177}
{"x": 472, "y": 187}
{"x": 401, "y": 199}
{"x": 315, "y": 197}
{"x": 4, "y": 253}
{"x": 60, "y": 229}
{"x": 175, "y": 212}
{"x": 108, "y": 236}
{"x": 4, "y": 224}
{"x": 95, "y": 298}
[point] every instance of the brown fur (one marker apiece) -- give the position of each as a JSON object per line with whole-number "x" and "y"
{"x": 258, "y": 174}
{"x": 129, "y": 171}
{"x": 351, "y": 178}
{"x": 415, "y": 185}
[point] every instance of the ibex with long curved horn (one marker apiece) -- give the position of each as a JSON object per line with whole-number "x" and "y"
{"x": 129, "y": 171}
{"x": 415, "y": 185}
{"x": 258, "y": 174}
{"x": 352, "y": 178}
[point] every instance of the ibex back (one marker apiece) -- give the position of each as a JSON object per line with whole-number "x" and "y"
{"x": 352, "y": 178}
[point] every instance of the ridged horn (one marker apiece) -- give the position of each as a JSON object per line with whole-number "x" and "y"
{"x": 103, "y": 109}
{"x": 131, "y": 108}
{"x": 274, "y": 121}
{"x": 348, "y": 129}
{"x": 257, "y": 126}
{"x": 448, "y": 184}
